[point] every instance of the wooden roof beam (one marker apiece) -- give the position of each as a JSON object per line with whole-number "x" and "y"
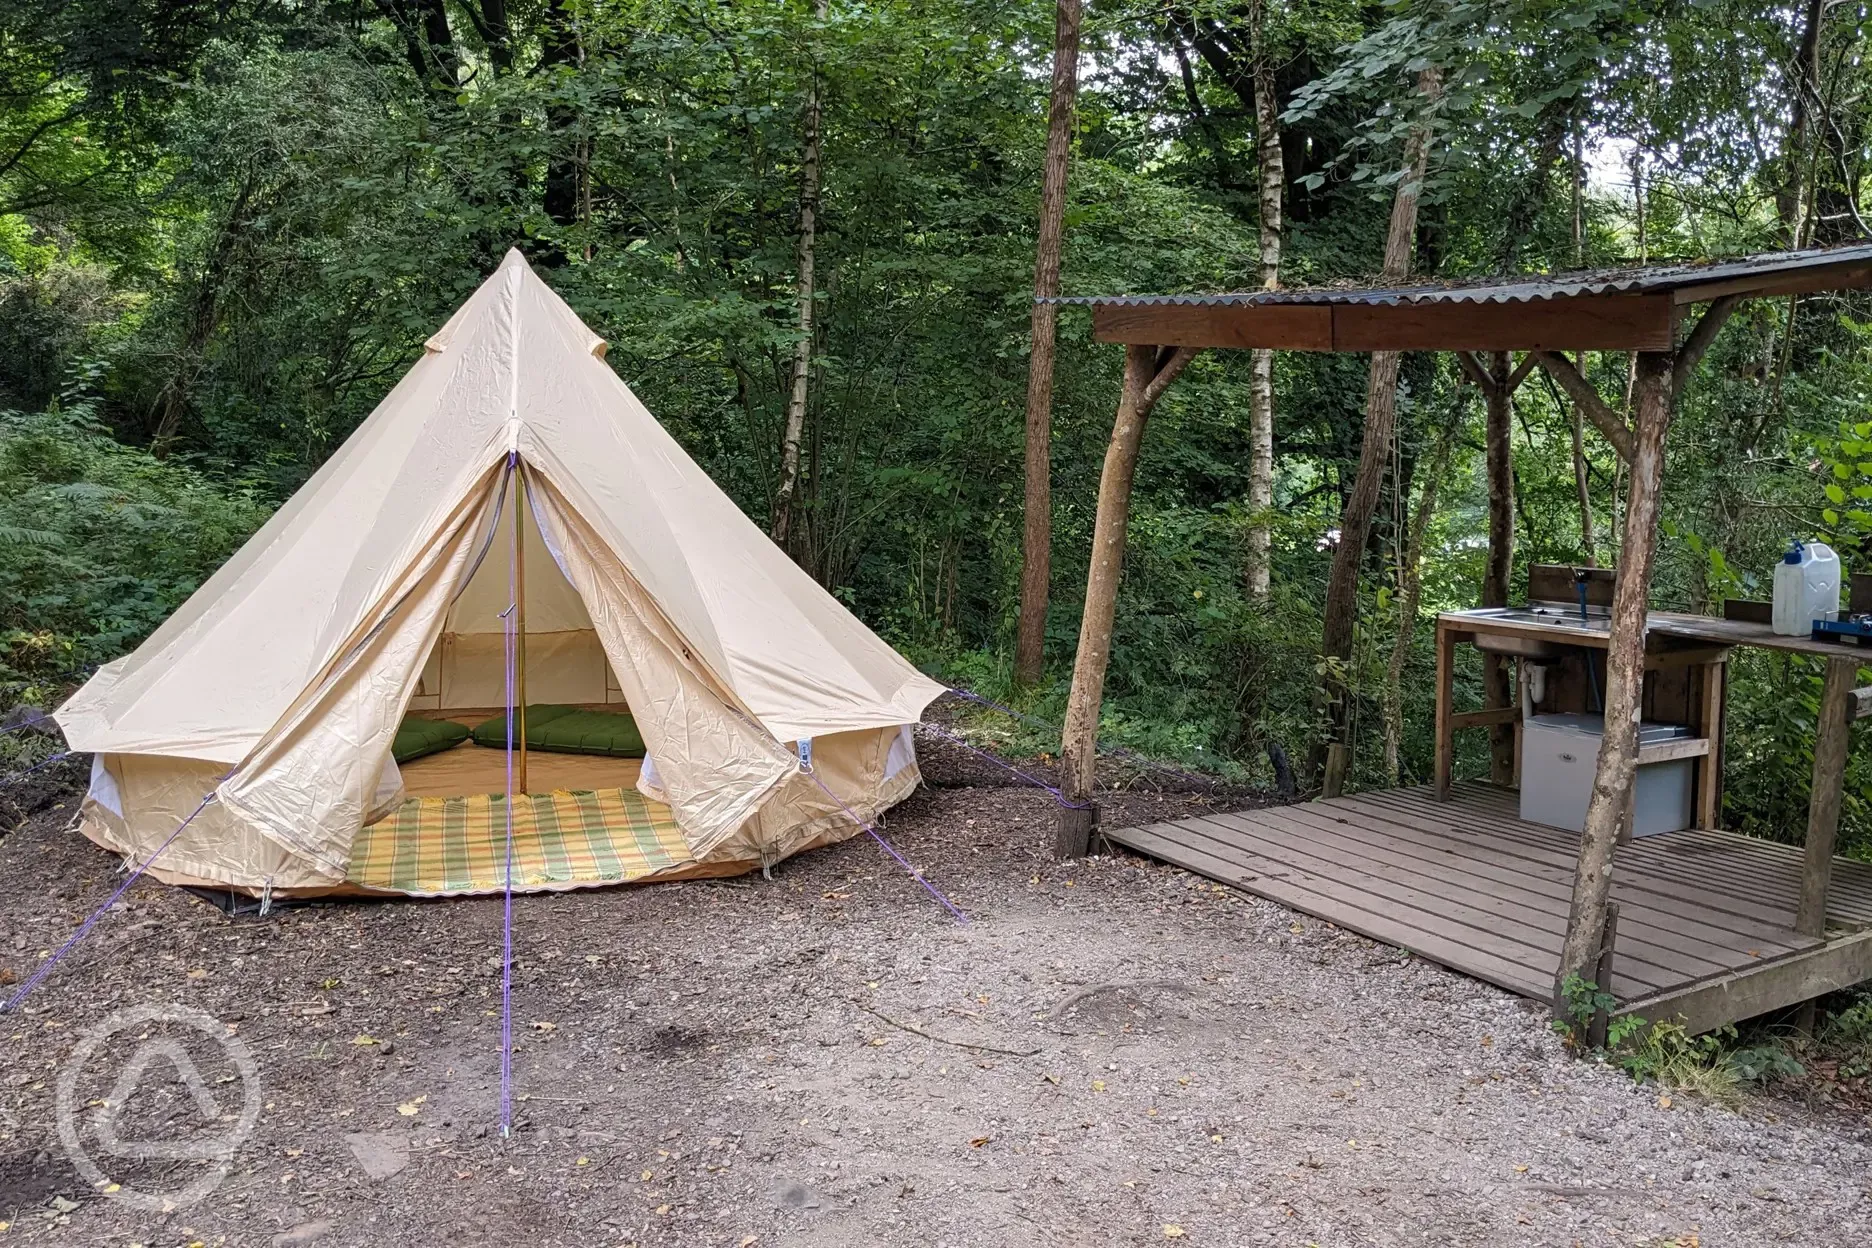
{"x": 1567, "y": 323}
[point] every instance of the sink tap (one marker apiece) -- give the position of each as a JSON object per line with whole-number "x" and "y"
{"x": 1581, "y": 578}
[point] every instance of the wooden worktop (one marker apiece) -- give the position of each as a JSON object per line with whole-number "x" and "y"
{"x": 1671, "y": 624}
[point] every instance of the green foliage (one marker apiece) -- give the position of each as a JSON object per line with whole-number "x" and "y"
{"x": 98, "y": 544}
{"x": 1711, "y": 1065}
{"x": 1847, "y": 1036}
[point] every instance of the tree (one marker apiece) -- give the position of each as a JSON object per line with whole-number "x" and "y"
{"x": 786, "y": 499}
{"x": 1272, "y": 181}
{"x": 1375, "y": 445}
{"x": 1037, "y": 506}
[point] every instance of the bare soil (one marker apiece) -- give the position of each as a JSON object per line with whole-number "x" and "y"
{"x": 1108, "y": 1052}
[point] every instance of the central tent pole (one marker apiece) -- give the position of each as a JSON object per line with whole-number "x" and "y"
{"x": 519, "y": 537}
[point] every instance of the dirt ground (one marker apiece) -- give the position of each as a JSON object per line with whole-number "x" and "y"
{"x": 1107, "y": 1052}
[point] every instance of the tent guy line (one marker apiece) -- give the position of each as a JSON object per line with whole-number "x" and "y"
{"x": 84, "y": 929}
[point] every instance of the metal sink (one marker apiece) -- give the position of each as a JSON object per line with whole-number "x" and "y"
{"x": 1564, "y": 622}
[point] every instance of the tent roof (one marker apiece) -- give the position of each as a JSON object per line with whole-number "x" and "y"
{"x": 1609, "y": 309}
{"x": 514, "y": 370}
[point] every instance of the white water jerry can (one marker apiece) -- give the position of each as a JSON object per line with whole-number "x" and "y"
{"x": 1806, "y": 588}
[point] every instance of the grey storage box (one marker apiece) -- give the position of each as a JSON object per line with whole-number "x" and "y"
{"x": 1560, "y": 753}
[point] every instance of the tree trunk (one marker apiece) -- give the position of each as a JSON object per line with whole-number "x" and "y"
{"x": 1037, "y": 534}
{"x": 559, "y": 47}
{"x": 1615, "y": 778}
{"x": 1410, "y": 593}
{"x": 1589, "y": 546}
{"x": 786, "y": 499}
{"x": 1148, "y": 373}
{"x": 1791, "y": 194}
{"x": 203, "y": 318}
{"x": 1273, "y": 181}
{"x": 1374, "y": 449}
{"x": 1496, "y": 685}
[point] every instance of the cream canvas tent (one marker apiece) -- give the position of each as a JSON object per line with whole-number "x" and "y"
{"x": 382, "y": 589}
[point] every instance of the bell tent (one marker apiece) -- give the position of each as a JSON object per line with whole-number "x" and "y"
{"x": 510, "y": 535}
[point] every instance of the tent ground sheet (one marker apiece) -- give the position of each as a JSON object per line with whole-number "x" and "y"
{"x": 438, "y": 846}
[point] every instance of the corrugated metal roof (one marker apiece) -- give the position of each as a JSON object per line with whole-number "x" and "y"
{"x": 1650, "y": 279}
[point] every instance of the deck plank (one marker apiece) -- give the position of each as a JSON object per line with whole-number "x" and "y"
{"x": 1467, "y": 884}
{"x": 1650, "y": 869}
{"x": 1465, "y": 869}
{"x": 1458, "y": 906}
{"x": 1706, "y": 914}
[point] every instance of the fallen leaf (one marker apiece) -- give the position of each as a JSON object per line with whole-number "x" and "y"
{"x": 748, "y": 1241}
{"x": 979, "y": 1140}
{"x": 1098, "y": 1085}
{"x": 877, "y": 1041}
{"x": 364, "y": 1040}
{"x": 1520, "y": 1169}
{"x": 545, "y": 1026}
{"x": 198, "y": 973}
{"x": 662, "y": 1209}
{"x": 1663, "y": 1102}
{"x": 1172, "y": 1231}
{"x": 1052, "y": 1079}
{"x": 647, "y": 1176}
{"x": 583, "y": 1161}
{"x": 409, "y": 1108}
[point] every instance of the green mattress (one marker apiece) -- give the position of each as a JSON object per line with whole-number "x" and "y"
{"x": 418, "y": 737}
{"x": 568, "y": 730}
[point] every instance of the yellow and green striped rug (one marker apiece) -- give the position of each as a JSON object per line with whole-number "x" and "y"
{"x": 433, "y": 846}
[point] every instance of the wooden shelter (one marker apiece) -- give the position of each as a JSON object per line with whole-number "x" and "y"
{"x": 1716, "y": 946}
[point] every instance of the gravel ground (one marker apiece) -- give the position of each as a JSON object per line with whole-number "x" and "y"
{"x": 1109, "y": 1052}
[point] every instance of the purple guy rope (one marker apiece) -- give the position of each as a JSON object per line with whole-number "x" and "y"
{"x": 1002, "y": 763}
{"x": 84, "y": 929}
{"x": 25, "y": 724}
{"x": 903, "y": 862}
{"x": 512, "y": 648}
{"x": 17, "y": 776}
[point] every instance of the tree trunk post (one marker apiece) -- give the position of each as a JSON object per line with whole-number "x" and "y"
{"x": 1148, "y": 373}
{"x": 1341, "y": 610}
{"x": 1601, "y": 1021}
{"x": 1272, "y": 183}
{"x": 1829, "y": 779}
{"x": 1037, "y": 502}
{"x": 1616, "y": 774}
{"x": 1497, "y": 687}
{"x": 786, "y": 498}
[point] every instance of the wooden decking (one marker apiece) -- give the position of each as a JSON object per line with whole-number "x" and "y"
{"x": 1706, "y": 923}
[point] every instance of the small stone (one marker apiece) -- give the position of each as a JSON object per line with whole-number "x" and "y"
{"x": 379, "y": 1153}
{"x": 304, "y": 1233}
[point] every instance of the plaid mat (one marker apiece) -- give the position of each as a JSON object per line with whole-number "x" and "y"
{"x": 437, "y": 845}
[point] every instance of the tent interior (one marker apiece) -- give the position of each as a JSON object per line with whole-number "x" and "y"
{"x": 579, "y": 818}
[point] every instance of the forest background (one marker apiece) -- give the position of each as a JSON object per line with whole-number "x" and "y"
{"x": 808, "y": 231}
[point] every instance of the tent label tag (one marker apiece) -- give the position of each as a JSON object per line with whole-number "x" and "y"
{"x": 805, "y": 753}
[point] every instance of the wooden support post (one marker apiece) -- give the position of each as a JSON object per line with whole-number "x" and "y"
{"x": 1445, "y": 691}
{"x": 1602, "y": 978}
{"x": 1076, "y": 834}
{"x": 1829, "y": 778}
{"x": 1499, "y": 430}
{"x": 519, "y": 537}
{"x": 1709, "y": 767}
{"x": 1614, "y": 780}
{"x": 1148, "y": 373}
{"x": 1338, "y": 759}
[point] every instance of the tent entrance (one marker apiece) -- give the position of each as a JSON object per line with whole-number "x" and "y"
{"x": 580, "y": 821}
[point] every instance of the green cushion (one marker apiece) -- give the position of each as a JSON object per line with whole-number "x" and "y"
{"x": 417, "y": 737}
{"x": 568, "y": 730}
